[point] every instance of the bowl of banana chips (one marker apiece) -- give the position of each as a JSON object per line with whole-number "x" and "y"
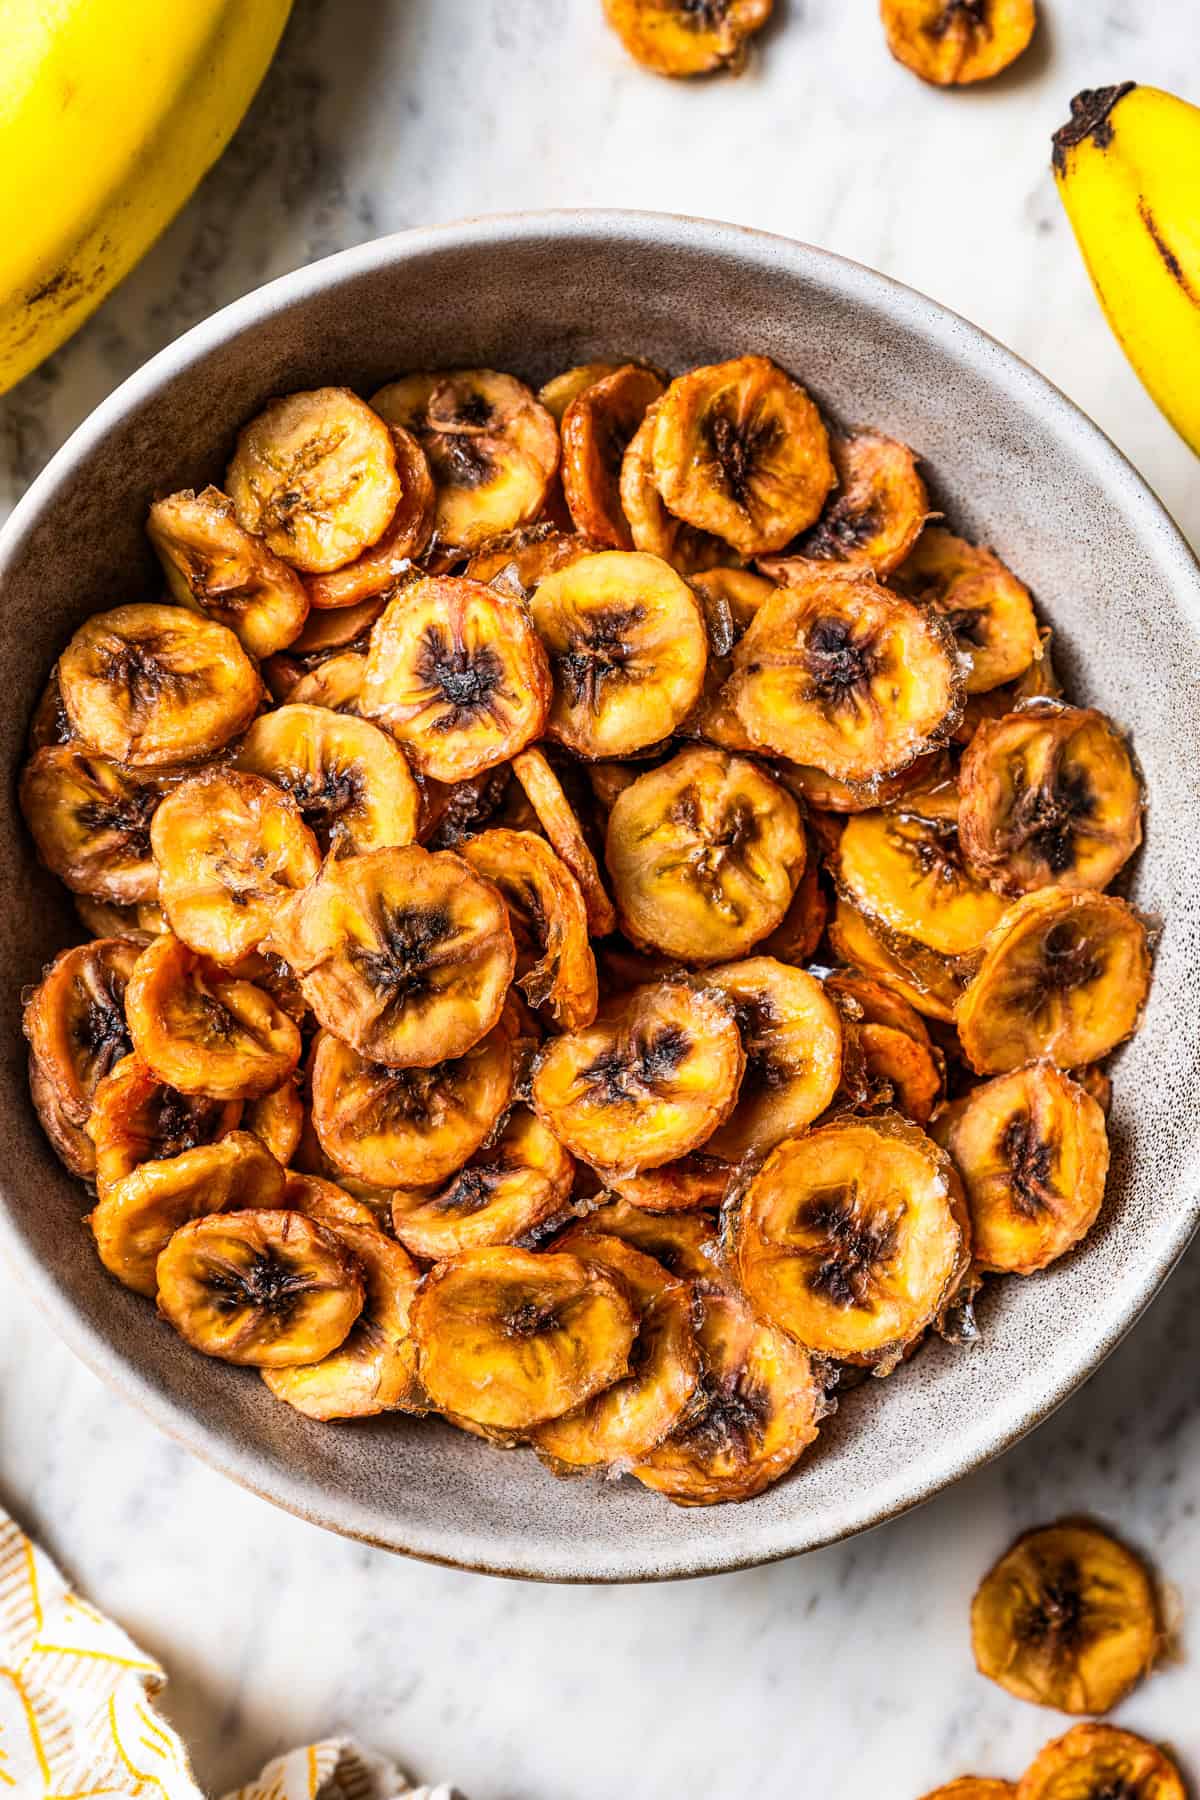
{"x": 598, "y": 866}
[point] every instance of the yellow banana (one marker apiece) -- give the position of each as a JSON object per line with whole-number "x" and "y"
{"x": 1127, "y": 166}
{"x": 110, "y": 112}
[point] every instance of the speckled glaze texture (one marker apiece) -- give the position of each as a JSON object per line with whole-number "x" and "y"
{"x": 1013, "y": 464}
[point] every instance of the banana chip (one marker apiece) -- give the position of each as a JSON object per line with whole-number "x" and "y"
{"x": 230, "y": 847}
{"x": 875, "y": 515}
{"x": 135, "y": 1119}
{"x": 953, "y": 42}
{"x": 649, "y": 1081}
{"x": 556, "y": 969}
{"x": 740, "y": 451}
{"x": 678, "y": 37}
{"x": 1067, "y": 1618}
{"x": 597, "y": 428}
{"x": 457, "y": 673}
{"x": 557, "y": 393}
{"x": 1094, "y": 1761}
{"x": 989, "y": 611}
{"x": 153, "y": 685}
{"x": 705, "y": 853}
{"x": 315, "y": 475}
{"x": 492, "y": 448}
{"x": 201, "y": 1030}
{"x": 74, "y": 1021}
{"x": 388, "y": 560}
{"x": 909, "y": 873}
{"x": 696, "y": 1180}
{"x": 520, "y": 1182}
{"x": 1064, "y": 976}
{"x": 686, "y": 1244}
{"x": 508, "y": 1339}
{"x": 651, "y": 526}
{"x": 518, "y": 560}
{"x": 1032, "y": 1149}
{"x": 796, "y": 937}
{"x": 854, "y": 1238}
{"x": 277, "y": 1120}
{"x": 267, "y": 1289}
{"x": 219, "y": 570}
{"x": 902, "y": 1066}
{"x": 349, "y": 778}
{"x": 50, "y": 724}
{"x": 931, "y": 984}
{"x": 557, "y": 819}
{"x": 69, "y": 1142}
{"x": 974, "y": 1787}
{"x": 1050, "y": 796}
{"x": 335, "y": 683}
{"x": 90, "y": 820}
{"x": 792, "y": 1035}
{"x": 406, "y": 955}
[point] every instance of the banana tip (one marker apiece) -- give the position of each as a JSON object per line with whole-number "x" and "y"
{"x": 1091, "y": 117}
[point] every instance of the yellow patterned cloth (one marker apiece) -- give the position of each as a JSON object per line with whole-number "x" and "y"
{"x": 77, "y": 1719}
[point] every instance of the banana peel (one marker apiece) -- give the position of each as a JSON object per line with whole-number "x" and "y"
{"x": 1127, "y": 167}
{"x": 111, "y": 111}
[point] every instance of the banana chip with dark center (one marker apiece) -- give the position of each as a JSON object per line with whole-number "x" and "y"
{"x": 652, "y": 527}
{"x": 90, "y": 819}
{"x": 989, "y": 611}
{"x": 954, "y": 42}
{"x": 682, "y": 38}
{"x": 349, "y": 778}
{"x": 135, "y": 1119}
{"x": 519, "y": 1183}
{"x": 931, "y": 984}
{"x": 219, "y": 570}
{"x": 390, "y": 559}
{"x": 75, "y": 1023}
{"x": 556, "y": 969}
{"x": 792, "y": 1035}
{"x": 1099, "y": 1762}
{"x": 686, "y": 1244}
{"x": 909, "y": 874}
{"x": 597, "y": 428}
{"x": 876, "y": 513}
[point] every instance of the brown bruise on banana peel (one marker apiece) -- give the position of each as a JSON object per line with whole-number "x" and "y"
{"x": 74, "y": 1021}
{"x": 1093, "y": 1761}
{"x": 792, "y": 1035}
{"x": 556, "y": 969}
{"x": 155, "y": 685}
{"x": 492, "y": 448}
{"x": 840, "y": 673}
{"x": 1064, "y": 976}
{"x": 628, "y": 651}
{"x": 560, "y": 824}
{"x": 952, "y": 43}
{"x": 740, "y": 451}
{"x": 314, "y": 474}
{"x": 348, "y": 777}
{"x": 222, "y": 572}
{"x": 687, "y": 37}
{"x": 982, "y": 602}
{"x": 514, "y": 1187}
{"x": 1050, "y": 797}
{"x": 458, "y": 675}
{"x": 597, "y": 429}
{"x": 854, "y": 1238}
{"x": 909, "y": 873}
{"x": 262, "y": 1289}
{"x": 90, "y": 821}
{"x": 405, "y": 954}
{"x": 705, "y": 853}
{"x": 201, "y": 1030}
{"x": 1067, "y": 1618}
{"x": 135, "y": 1119}
{"x": 414, "y": 1127}
{"x": 653, "y": 528}
{"x": 390, "y": 559}
{"x": 137, "y": 1216}
{"x": 874, "y": 516}
{"x": 633, "y": 1416}
{"x": 1032, "y": 1150}
{"x": 230, "y": 848}
{"x": 508, "y": 1339}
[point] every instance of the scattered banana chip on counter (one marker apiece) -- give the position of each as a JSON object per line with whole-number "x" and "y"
{"x": 952, "y": 43}
{"x": 678, "y": 37}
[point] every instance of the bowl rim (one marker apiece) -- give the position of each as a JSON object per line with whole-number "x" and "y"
{"x": 949, "y": 333}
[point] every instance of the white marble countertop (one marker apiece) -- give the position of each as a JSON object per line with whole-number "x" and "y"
{"x": 846, "y": 1673}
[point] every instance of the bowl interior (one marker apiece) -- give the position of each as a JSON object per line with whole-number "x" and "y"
{"x": 1012, "y": 464}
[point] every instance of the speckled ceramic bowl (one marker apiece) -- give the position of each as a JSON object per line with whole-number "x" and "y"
{"x": 1014, "y": 464}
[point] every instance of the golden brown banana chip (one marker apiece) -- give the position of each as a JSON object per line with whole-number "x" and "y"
{"x": 405, "y": 954}
{"x": 560, "y": 824}
{"x": 792, "y": 1035}
{"x": 201, "y": 1030}
{"x": 597, "y": 428}
{"x": 903, "y": 1068}
{"x": 909, "y": 873}
{"x": 326, "y": 1202}
{"x": 705, "y": 853}
{"x": 989, "y": 611}
{"x": 153, "y": 685}
{"x": 825, "y": 793}
{"x": 695, "y": 1181}
{"x": 230, "y": 847}
{"x": 390, "y": 558}
{"x": 137, "y": 1216}
{"x": 730, "y": 599}
{"x": 221, "y": 572}
{"x": 953, "y": 42}
{"x": 457, "y": 673}
{"x": 104, "y": 918}
{"x": 335, "y": 683}
{"x": 633, "y": 1416}
{"x": 408, "y": 1127}
{"x": 557, "y": 393}
{"x": 267, "y": 1289}
{"x": 679, "y": 37}
{"x": 50, "y": 724}
{"x": 69, "y": 1142}
{"x": 649, "y": 1081}
{"x": 518, "y": 560}
{"x": 1032, "y": 1149}
{"x": 1067, "y": 1618}
{"x": 876, "y": 513}
{"x": 1064, "y": 976}
{"x": 508, "y": 1339}
{"x": 759, "y": 1409}
{"x": 1093, "y": 1762}
{"x": 838, "y": 672}
{"x": 341, "y": 628}
{"x": 1050, "y": 796}
{"x": 135, "y": 1119}
{"x": 520, "y": 1182}
{"x": 349, "y": 778}
{"x": 740, "y": 451}
{"x": 277, "y": 1120}
{"x": 652, "y": 527}
{"x": 974, "y": 1787}
{"x": 492, "y": 448}
{"x": 315, "y": 475}
{"x": 627, "y": 648}
{"x": 854, "y": 1238}
{"x": 795, "y": 939}
{"x": 90, "y": 820}
{"x": 931, "y": 984}
{"x": 685, "y": 1243}
{"x": 74, "y": 1021}
{"x": 555, "y": 965}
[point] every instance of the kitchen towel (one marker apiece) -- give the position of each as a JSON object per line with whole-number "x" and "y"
{"x": 77, "y": 1714}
